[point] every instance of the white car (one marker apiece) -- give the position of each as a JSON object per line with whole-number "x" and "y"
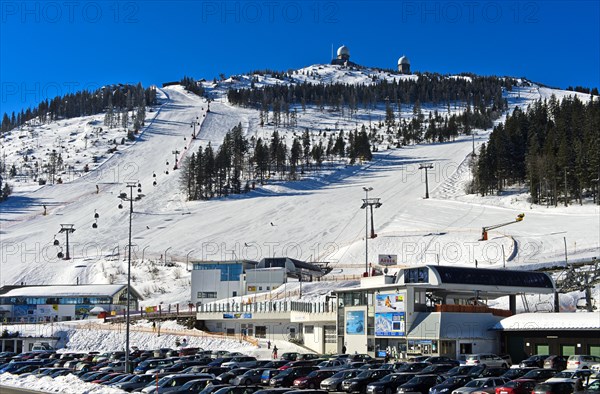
{"x": 486, "y": 359}
{"x": 583, "y": 362}
{"x": 240, "y": 362}
{"x": 579, "y": 377}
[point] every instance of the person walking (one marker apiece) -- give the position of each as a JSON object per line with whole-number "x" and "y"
{"x": 269, "y": 344}
{"x": 274, "y": 352}
{"x": 153, "y": 326}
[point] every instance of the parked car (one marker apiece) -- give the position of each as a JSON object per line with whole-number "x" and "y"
{"x": 553, "y": 388}
{"x": 451, "y": 383}
{"x": 437, "y": 369}
{"x": 226, "y": 377}
{"x": 487, "y": 359}
{"x": 517, "y": 386}
{"x": 579, "y": 377}
{"x": 582, "y": 361}
{"x": 267, "y": 374}
{"x": 471, "y": 370}
{"x": 540, "y": 374}
{"x": 592, "y": 388}
{"x": 358, "y": 384}
{"x": 286, "y": 378}
{"x": 192, "y": 386}
{"x": 334, "y": 383}
{"x": 313, "y": 379}
{"x": 412, "y": 367}
{"x": 331, "y": 364}
{"x": 167, "y": 383}
{"x": 487, "y": 385}
{"x": 555, "y": 362}
{"x": 289, "y": 356}
{"x": 419, "y": 384}
{"x": 280, "y": 390}
{"x": 536, "y": 360}
{"x": 515, "y": 373}
{"x": 493, "y": 371}
{"x": 238, "y": 390}
{"x": 252, "y": 376}
{"x": 441, "y": 360}
{"x": 137, "y": 382}
{"x": 389, "y": 383}
{"x": 240, "y": 361}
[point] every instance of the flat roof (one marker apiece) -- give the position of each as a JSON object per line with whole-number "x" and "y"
{"x": 66, "y": 291}
{"x": 555, "y": 321}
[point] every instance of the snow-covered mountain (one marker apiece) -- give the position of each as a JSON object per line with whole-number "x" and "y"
{"x": 315, "y": 219}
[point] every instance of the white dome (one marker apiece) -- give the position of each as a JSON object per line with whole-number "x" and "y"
{"x": 403, "y": 60}
{"x": 343, "y": 50}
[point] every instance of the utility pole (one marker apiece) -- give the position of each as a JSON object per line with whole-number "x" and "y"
{"x": 123, "y": 196}
{"x": 175, "y": 152}
{"x": 194, "y": 123}
{"x": 426, "y": 167}
{"x": 370, "y": 203}
{"x": 67, "y": 228}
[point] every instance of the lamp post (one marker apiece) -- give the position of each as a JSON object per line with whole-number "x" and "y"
{"x": 67, "y": 228}
{"x": 369, "y": 203}
{"x": 124, "y": 197}
{"x": 426, "y": 167}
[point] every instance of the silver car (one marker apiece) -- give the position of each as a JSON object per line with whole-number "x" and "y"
{"x": 486, "y": 359}
{"x": 487, "y": 385}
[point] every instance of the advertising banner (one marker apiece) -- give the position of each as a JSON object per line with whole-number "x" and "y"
{"x": 355, "y": 322}
{"x": 390, "y": 315}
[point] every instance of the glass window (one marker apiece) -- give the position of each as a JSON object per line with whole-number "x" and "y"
{"x": 542, "y": 349}
{"x": 566, "y": 350}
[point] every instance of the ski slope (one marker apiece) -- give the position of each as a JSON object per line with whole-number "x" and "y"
{"x": 316, "y": 219}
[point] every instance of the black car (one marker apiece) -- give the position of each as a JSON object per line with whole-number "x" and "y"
{"x": 359, "y": 383}
{"x": 515, "y": 373}
{"x": 286, "y": 378}
{"x": 493, "y": 372}
{"x": 229, "y": 375}
{"x": 540, "y": 374}
{"x": 334, "y": 383}
{"x": 450, "y": 384}
{"x": 193, "y": 386}
{"x": 553, "y": 388}
{"x": 420, "y": 384}
{"x": 211, "y": 388}
{"x": 412, "y": 367}
{"x": 441, "y": 360}
{"x": 556, "y": 362}
{"x": 389, "y": 383}
{"x": 238, "y": 390}
{"x": 138, "y": 382}
{"x": 471, "y": 370}
{"x": 534, "y": 361}
{"x": 437, "y": 369}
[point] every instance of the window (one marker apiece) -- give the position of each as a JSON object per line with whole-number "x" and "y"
{"x": 309, "y": 329}
{"x": 330, "y": 334}
{"x": 594, "y": 350}
{"x": 417, "y": 275}
{"x": 542, "y": 349}
{"x": 207, "y": 294}
{"x": 566, "y": 350}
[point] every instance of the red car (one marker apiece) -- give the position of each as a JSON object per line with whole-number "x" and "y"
{"x": 517, "y": 386}
{"x": 313, "y": 379}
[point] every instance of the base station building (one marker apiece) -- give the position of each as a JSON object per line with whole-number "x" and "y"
{"x": 426, "y": 310}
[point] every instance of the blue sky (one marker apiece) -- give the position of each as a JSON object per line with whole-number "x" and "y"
{"x": 51, "y": 48}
